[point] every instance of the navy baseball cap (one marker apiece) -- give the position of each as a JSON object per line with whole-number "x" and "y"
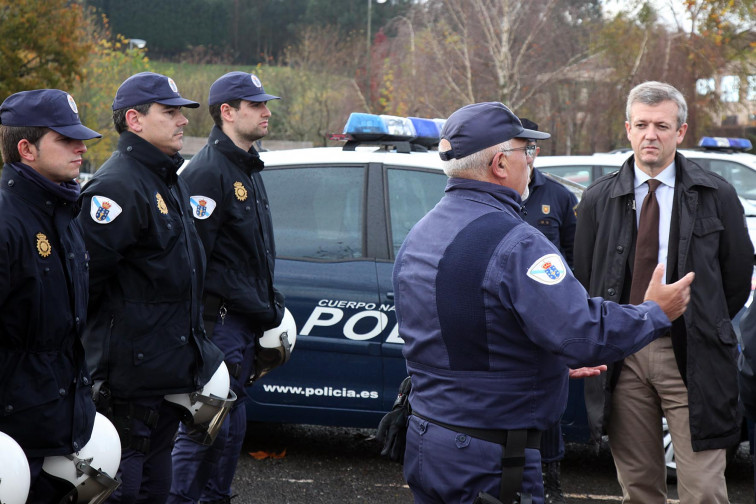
{"x": 149, "y": 87}
{"x": 479, "y": 126}
{"x": 238, "y": 86}
{"x": 46, "y": 108}
{"x": 528, "y": 124}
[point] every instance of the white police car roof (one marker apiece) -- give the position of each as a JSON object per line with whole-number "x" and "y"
{"x": 337, "y": 156}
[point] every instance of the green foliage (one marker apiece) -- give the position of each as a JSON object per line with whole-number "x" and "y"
{"x": 107, "y": 67}
{"x": 43, "y": 43}
{"x": 240, "y": 31}
{"x": 170, "y": 27}
{"x": 194, "y": 81}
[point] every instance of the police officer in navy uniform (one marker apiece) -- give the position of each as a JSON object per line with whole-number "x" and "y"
{"x": 45, "y": 398}
{"x": 232, "y": 215}
{"x": 145, "y": 337}
{"x": 492, "y": 319}
{"x": 550, "y": 208}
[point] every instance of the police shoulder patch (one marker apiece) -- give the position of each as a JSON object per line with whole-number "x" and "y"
{"x": 548, "y": 270}
{"x": 202, "y": 206}
{"x": 104, "y": 210}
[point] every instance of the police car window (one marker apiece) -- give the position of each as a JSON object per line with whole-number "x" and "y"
{"x": 579, "y": 174}
{"x": 317, "y": 211}
{"x": 411, "y": 195}
{"x": 740, "y": 176}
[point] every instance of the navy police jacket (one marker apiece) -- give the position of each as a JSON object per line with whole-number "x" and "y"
{"x": 492, "y": 318}
{"x": 45, "y": 389}
{"x": 550, "y": 209}
{"x": 145, "y": 336}
{"x": 232, "y": 215}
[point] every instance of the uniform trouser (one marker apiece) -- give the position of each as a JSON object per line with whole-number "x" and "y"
{"x": 552, "y": 444}
{"x": 146, "y": 478}
{"x": 443, "y": 466}
{"x": 650, "y": 386}
{"x": 203, "y": 472}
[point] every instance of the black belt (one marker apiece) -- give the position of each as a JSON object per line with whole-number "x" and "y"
{"x": 514, "y": 442}
{"x": 212, "y": 307}
{"x": 498, "y": 436}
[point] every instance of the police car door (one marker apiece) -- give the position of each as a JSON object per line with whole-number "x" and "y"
{"x": 328, "y": 277}
{"x": 410, "y": 193}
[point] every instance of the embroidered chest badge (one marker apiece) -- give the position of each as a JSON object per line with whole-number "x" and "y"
{"x": 202, "y": 206}
{"x": 240, "y": 191}
{"x": 545, "y": 209}
{"x": 43, "y": 245}
{"x": 161, "y": 204}
{"x": 548, "y": 270}
{"x": 104, "y": 210}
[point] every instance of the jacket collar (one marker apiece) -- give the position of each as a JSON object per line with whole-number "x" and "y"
{"x": 485, "y": 192}
{"x": 150, "y": 156}
{"x": 688, "y": 175}
{"x": 537, "y": 179}
{"x": 35, "y": 194}
{"x": 249, "y": 160}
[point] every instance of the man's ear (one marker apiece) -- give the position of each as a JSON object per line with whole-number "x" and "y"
{"x": 226, "y": 112}
{"x": 500, "y": 166}
{"x": 27, "y": 151}
{"x": 133, "y": 120}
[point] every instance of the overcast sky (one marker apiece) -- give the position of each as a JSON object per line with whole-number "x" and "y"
{"x": 668, "y": 10}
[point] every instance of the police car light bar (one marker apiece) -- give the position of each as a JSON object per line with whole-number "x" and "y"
{"x": 428, "y": 131}
{"x": 741, "y": 144}
{"x": 364, "y": 128}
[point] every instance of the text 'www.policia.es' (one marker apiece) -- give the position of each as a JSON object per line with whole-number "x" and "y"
{"x": 321, "y": 391}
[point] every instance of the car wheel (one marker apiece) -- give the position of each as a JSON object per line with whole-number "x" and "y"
{"x": 669, "y": 452}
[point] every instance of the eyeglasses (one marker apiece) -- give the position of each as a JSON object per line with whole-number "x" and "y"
{"x": 530, "y": 150}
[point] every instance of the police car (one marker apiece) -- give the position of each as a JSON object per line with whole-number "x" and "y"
{"x": 340, "y": 216}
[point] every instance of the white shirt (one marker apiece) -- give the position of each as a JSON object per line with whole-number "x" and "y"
{"x": 664, "y": 195}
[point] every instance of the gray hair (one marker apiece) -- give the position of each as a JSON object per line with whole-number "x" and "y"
{"x": 473, "y": 166}
{"x": 654, "y": 93}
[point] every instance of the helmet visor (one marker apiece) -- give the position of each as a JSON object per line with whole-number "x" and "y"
{"x": 267, "y": 359}
{"x": 206, "y": 432}
{"x": 95, "y": 489}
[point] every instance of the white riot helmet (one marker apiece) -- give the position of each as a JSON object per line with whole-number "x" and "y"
{"x": 14, "y": 472}
{"x": 92, "y": 469}
{"x": 207, "y": 408}
{"x": 274, "y": 347}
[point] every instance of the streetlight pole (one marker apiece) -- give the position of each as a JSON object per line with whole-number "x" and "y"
{"x": 368, "y": 44}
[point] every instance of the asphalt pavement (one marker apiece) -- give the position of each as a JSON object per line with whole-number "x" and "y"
{"x": 298, "y": 464}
